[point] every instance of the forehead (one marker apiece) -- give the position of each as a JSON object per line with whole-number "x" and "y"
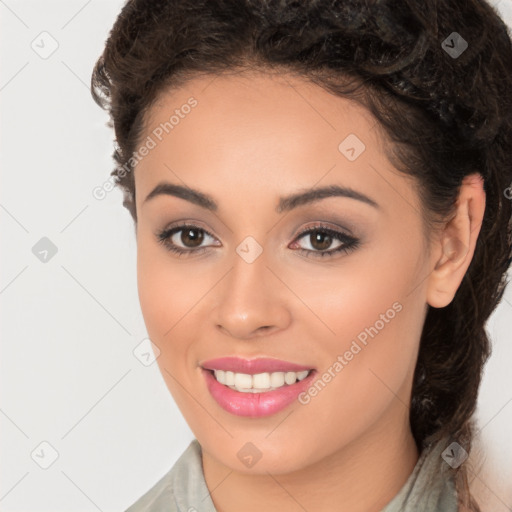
{"x": 258, "y": 133}
{"x": 259, "y": 103}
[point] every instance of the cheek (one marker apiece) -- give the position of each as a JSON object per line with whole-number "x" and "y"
{"x": 369, "y": 317}
{"x": 162, "y": 292}
{"x": 170, "y": 294}
{"x": 166, "y": 298}
{"x": 365, "y": 290}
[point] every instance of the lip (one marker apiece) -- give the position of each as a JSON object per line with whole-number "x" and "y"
{"x": 252, "y": 366}
{"x": 255, "y": 405}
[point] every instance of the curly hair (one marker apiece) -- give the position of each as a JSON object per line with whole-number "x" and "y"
{"x": 447, "y": 115}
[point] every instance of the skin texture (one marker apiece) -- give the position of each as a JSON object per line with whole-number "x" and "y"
{"x": 250, "y": 140}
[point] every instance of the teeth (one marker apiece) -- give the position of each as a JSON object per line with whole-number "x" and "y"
{"x": 259, "y": 382}
{"x": 277, "y": 379}
{"x": 290, "y": 378}
{"x": 243, "y": 381}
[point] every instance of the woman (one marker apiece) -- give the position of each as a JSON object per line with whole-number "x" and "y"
{"x": 323, "y": 229}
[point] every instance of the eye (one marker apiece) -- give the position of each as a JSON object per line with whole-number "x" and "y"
{"x": 191, "y": 238}
{"x": 320, "y": 238}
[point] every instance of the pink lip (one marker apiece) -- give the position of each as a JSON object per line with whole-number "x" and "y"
{"x": 252, "y": 366}
{"x": 255, "y": 405}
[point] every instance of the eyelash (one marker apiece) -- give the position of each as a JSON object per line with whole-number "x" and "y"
{"x": 349, "y": 242}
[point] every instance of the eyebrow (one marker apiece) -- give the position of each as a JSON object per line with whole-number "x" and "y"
{"x": 285, "y": 204}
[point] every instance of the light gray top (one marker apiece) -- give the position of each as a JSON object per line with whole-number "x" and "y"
{"x": 183, "y": 489}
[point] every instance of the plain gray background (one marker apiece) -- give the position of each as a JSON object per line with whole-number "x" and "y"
{"x": 72, "y": 388}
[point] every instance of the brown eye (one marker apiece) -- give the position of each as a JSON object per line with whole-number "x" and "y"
{"x": 320, "y": 240}
{"x": 194, "y": 235}
{"x": 185, "y": 239}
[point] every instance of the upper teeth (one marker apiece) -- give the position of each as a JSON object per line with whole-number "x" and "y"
{"x": 259, "y": 382}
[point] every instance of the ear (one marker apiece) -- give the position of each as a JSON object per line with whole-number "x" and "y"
{"x": 457, "y": 242}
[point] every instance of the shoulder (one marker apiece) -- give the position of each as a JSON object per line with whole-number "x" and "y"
{"x": 160, "y": 498}
{"x": 179, "y": 488}
{"x": 430, "y": 487}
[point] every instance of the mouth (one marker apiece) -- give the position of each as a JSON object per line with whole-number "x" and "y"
{"x": 256, "y": 395}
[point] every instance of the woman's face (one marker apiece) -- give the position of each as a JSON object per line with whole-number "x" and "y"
{"x": 258, "y": 287}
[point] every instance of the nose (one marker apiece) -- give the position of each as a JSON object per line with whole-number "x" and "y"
{"x": 251, "y": 301}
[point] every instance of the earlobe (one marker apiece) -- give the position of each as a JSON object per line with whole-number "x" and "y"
{"x": 457, "y": 243}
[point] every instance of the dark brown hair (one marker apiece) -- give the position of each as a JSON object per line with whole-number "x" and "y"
{"x": 448, "y": 114}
